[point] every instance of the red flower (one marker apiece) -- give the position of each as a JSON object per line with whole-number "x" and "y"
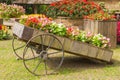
{"x": 71, "y": 11}
{"x": 84, "y": 0}
{"x": 53, "y": 4}
{"x": 0, "y": 27}
{"x": 69, "y": 30}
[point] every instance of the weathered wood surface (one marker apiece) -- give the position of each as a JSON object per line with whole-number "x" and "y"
{"x": 22, "y": 32}
{"x": 71, "y": 46}
{"x": 106, "y": 28}
{"x": 70, "y": 22}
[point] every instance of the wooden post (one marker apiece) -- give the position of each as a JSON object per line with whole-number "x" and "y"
{"x": 35, "y": 8}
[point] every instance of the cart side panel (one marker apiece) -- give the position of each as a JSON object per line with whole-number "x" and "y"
{"x": 67, "y": 44}
{"x": 92, "y": 51}
{"x": 76, "y": 47}
{"x": 22, "y": 32}
{"x": 27, "y": 33}
{"x": 105, "y": 55}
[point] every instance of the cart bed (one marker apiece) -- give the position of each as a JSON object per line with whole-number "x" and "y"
{"x": 71, "y": 46}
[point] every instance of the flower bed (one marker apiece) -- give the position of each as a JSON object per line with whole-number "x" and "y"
{"x": 46, "y": 24}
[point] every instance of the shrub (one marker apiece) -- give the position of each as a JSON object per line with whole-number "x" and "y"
{"x": 3, "y": 32}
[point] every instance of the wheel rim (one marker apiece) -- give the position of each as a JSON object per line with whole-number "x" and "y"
{"x": 18, "y": 47}
{"x": 48, "y": 60}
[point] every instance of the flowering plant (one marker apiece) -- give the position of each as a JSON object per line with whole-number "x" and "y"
{"x": 35, "y": 20}
{"x": 100, "y": 16}
{"x": 72, "y": 8}
{"x": 100, "y": 41}
{"x": 3, "y": 32}
{"x": 11, "y": 11}
{"x": 55, "y": 28}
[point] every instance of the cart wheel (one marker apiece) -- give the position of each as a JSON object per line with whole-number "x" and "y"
{"x": 18, "y": 47}
{"x": 49, "y": 58}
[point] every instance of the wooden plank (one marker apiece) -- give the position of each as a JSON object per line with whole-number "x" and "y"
{"x": 87, "y": 25}
{"x": 104, "y": 55}
{"x": 76, "y": 47}
{"x": 67, "y": 44}
{"x": 22, "y": 32}
{"x": 100, "y": 53}
{"x": 84, "y": 49}
{"x": 56, "y": 43}
{"x": 107, "y": 55}
{"x": 92, "y": 51}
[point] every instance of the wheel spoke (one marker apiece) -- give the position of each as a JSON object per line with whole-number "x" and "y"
{"x": 19, "y": 47}
{"x": 54, "y": 52}
{"x": 37, "y": 66}
{"x": 50, "y": 43}
{"x": 45, "y": 66}
{"x": 25, "y": 56}
{"x": 33, "y": 53}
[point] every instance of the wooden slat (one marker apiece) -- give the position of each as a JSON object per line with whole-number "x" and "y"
{"x": 92, "y": 51}
{"x": 76, "y": 48}
{"x": 67, "y": 44}
{"x": 83, "y": 49}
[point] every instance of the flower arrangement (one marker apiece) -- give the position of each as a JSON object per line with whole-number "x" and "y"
{"x": 72, "y": 8}
{"x": 46, "y": 24}
{"x": 11, "y": 11}
{"x": 3, "y": 32}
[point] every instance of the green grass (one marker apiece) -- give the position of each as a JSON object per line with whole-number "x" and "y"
{"x": 73, "y": 68}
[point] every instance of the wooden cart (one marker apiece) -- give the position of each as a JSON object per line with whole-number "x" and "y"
{"x": 48, "y": 48}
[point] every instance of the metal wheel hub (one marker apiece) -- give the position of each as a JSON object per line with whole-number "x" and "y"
{"x": 43, "y": 55}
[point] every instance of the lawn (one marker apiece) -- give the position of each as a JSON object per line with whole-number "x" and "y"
{"x": 73, "y": 68}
